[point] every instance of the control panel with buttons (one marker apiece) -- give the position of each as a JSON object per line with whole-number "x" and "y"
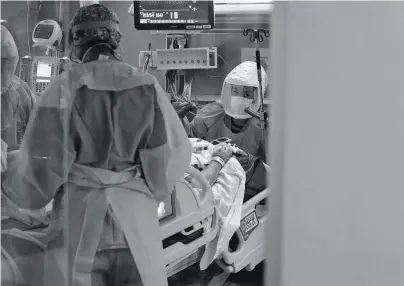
{"x": 177, "y": 59}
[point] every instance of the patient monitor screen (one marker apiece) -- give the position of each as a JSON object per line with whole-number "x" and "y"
{"x": 172, "y": 15}
{"x": 44, "y": 72}
{"x": 43, "y": 31}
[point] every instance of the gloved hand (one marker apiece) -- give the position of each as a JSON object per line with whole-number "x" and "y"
{"x": 223, "y": 151}
{"x": 244, "y": 158}
{"x": 255, "y": 172}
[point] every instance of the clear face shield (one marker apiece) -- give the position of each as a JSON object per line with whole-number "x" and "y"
{"x": 237, "y": 98}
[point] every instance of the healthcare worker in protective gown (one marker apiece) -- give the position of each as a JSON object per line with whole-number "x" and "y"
{"x": 17, "y": 101}
{"x": 228, "y": 119}
{"x": 106, "y": 144}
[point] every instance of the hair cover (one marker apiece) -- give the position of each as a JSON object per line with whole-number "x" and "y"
{"x": 95, "y": 23}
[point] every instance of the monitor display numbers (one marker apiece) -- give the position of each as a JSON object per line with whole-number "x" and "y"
{"x": 174, "y": 15}
{"x": 173, "y": 12}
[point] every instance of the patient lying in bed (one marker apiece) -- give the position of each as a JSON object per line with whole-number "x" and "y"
{"x": 254, "y": 169}
{"x": 228, "y": 190}
{"x": 226, "y": 182}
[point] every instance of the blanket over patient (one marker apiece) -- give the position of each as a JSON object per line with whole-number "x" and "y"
{"x": 228, "y": 193}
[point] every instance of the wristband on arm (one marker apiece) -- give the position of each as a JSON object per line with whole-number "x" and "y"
{"x": 219, "y": 160}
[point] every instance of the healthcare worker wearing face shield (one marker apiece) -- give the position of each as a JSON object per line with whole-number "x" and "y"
{"x": 17, "y": 99}
{"x": 106, "y": 144}
{"x": 228, "y": 119}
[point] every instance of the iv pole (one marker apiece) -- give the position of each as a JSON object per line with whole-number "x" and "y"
{"x": 257, "y": 36}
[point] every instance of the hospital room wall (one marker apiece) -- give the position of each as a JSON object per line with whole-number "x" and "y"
{"x": 133, "y": 40}
{"x": 338, "y": 136}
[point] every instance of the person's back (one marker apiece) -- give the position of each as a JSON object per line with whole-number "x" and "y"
{"x": 108, "y": 128}
{"x": 105, "y": 142}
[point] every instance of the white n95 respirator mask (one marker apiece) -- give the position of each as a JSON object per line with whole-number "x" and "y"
{"x": 236, "y": 99}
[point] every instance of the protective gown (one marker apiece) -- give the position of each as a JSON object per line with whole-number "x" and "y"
{"x": 17, "y": 99}
{"x": 105, "y": 142}
{"x": 211, "y": 122}
{"x": 16, "y": 105}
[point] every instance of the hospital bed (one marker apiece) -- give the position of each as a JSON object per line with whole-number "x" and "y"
{"x": 193, "y": 222}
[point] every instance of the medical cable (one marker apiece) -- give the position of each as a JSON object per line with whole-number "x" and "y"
{"x": 222, "y": 75}
{"x": 147, "y": 60}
